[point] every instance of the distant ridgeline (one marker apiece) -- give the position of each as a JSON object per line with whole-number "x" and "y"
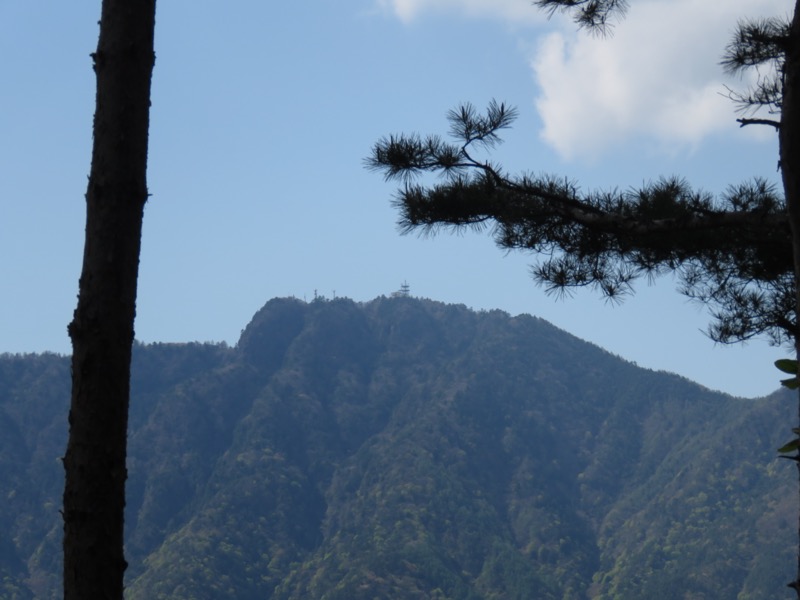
{"x": 404, "y": 448}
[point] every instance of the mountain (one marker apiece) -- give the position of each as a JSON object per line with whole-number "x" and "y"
{"x": 407, "y": 449}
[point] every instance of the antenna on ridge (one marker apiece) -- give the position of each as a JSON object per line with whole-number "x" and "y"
{"x": 403, "y": 292}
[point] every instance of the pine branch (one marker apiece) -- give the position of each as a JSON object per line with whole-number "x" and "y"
{"x": 594, "y": 15}
{"x": 732, "y": 251}
{"x": 757, "y": 42}
{"x": 770, "y": 122}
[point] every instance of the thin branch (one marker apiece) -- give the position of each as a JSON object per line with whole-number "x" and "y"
{"x": 770, "y": 122}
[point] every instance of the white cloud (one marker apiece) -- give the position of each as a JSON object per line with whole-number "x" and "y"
{"x": 516, "y": 11}
{"x": 657, "y": 76}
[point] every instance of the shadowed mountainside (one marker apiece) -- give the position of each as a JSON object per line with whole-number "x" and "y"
{"x": 404, "y": 448}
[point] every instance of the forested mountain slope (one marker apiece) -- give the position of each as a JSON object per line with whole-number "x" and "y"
{"x": 403, "y": 448}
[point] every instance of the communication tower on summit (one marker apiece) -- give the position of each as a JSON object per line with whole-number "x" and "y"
{"x": 403, "y": 292}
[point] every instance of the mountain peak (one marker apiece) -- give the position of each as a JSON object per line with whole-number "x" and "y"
{"x": 406, "y": 448}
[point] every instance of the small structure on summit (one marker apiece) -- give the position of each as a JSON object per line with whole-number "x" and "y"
{"x": 403, "y": 292}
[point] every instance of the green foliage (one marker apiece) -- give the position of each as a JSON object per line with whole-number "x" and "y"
{"x": 405, "y": 449}
{"x": 789, "y": 366}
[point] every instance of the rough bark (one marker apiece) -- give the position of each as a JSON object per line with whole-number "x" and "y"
{"x": 102, "y": 327}
{"x": 789, "y": 136}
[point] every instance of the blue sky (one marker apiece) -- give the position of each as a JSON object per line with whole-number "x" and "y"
{"x": 263, "y": 113}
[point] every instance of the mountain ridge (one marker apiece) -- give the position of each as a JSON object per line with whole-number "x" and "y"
{"x": 409, "y": 449}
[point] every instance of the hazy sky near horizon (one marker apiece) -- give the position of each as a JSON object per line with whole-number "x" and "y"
{"x": 262, "y": 114}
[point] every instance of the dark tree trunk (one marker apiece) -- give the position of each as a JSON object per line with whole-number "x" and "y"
{"x": 102, "y": 327}
{"x": 789, "y": 135}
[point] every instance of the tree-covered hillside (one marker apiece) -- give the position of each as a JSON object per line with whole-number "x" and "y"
{"x": 403, "y": 448}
